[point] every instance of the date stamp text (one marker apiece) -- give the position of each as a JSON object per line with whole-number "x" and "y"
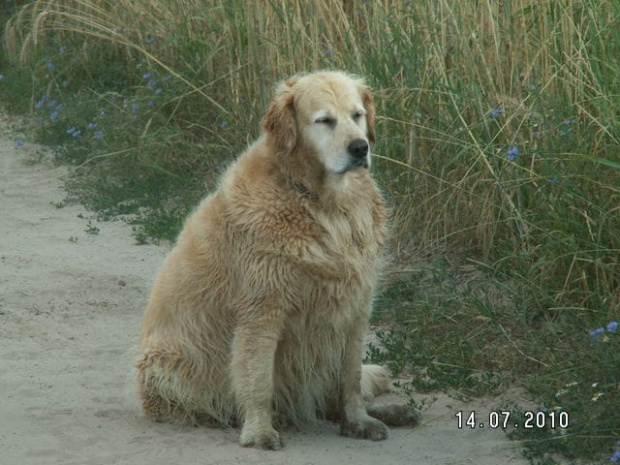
{"x": 502, "y": 419}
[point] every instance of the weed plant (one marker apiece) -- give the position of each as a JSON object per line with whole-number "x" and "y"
{"x": 498, "y": 142}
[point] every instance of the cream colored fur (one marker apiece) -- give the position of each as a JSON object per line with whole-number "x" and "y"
{"x": 261, "y": 306}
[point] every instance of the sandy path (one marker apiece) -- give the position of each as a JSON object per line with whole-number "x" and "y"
{"x": 69, "y": 322}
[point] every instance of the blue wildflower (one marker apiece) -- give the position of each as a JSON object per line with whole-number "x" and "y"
{"x": 223, "y": 125}
{"x": 63, "y": 48}
{"x": 615, "y": 458}
{"x": 595, "y": 333}
{"x": 150, "y": 103}
{"x": 99, "y": 135}
{"x": 512, "y": 153}
{"x": 565, "y": 130}
{"x": 1, "y": 77}
{"x": 134, "y": 108}
{"x": 553, "y": 181}
{"x": 167, "y": 77}
{"x": 102, "y": 112}
{"x": 50, "y": 66}
{"x": 152, "y": 84}
{"x": 19, "y": 143}
{"x": 54, "y": 115}
{"x": 158, "y": 92}
{"x": 92, "y": 125}
{"x": 495, "y": 112}
{"x": 150, "y": 40}
{"x": 40, "y": 102}
{"x": 71, "y": 130}
{"x": 77, "y": 133}
{"x": 612, "y": 326}
{"x": 146, "y": 76}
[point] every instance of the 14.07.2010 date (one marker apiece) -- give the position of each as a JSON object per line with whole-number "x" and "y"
{"x": 501, "y": 419}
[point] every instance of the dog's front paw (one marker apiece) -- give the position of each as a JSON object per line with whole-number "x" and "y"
{"x": 264, "y": 438}
{"x": 365, "y": 428}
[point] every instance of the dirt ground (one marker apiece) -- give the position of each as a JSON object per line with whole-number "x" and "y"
{"x": 70, "y": 310}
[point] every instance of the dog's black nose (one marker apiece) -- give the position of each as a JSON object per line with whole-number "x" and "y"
{"x": 358, "y": 148}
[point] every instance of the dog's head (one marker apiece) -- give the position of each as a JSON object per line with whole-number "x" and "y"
{"x": 329, "y": 114}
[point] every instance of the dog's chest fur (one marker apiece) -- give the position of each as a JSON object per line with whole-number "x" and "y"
{"x": 340, "y": 266}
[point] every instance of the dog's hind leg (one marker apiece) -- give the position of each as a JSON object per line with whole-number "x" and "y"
{"x": 158, "y": 379}
{"x": 394, "y": 414}
{"x": 376, "y": 380}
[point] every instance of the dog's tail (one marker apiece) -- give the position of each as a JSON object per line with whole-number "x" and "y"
{"x": 375, "y": 380}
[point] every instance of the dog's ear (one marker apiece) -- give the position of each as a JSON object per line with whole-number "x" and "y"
{"x": 279, "y": 121}
{"x": 369, "y": 105}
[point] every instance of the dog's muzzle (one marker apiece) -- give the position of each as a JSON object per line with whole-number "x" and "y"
{"x": 358, "y": 150}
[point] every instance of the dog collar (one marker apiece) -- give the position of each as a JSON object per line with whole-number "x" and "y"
{"x": 303, "y": 190}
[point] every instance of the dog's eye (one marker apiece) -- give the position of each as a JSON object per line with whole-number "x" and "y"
{"x": 357, "y": 115}
{"x": 325, "y": 120}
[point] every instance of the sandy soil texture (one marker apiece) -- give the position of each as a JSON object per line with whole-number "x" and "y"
{"x": 70, "y": 310}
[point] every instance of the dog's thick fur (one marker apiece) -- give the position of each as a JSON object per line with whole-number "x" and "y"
{"x": 262, "y": 305}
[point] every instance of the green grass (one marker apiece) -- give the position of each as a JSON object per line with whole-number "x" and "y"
{"x": 448, "y": 327}
{"x": 498, "y": 142}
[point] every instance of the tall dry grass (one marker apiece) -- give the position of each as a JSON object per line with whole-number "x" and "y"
{"x": 438, "y": 68}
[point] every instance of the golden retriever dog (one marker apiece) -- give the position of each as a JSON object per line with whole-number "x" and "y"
{"x": 260, "y": 309}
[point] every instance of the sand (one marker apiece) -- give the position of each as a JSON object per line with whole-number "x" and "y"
{"x": 70, "y": 310}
